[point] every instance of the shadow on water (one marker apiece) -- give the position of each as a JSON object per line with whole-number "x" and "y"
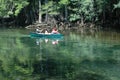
{"x": 78, "y": 56}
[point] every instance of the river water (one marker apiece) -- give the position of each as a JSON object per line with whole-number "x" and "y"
{"x": 76, "y": 56}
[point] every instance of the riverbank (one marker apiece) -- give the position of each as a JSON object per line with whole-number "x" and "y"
{"x": 63, "y": 26}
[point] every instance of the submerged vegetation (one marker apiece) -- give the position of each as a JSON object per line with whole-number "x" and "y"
{"x": 83, "y": 13}
{"x": 78, "y": 57}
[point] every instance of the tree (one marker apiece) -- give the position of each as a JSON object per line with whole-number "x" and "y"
{"x": 65, "y": 4}
{"x": 50, "y": 9}
{"x": 83, "y": 10}
{"x": 11, "y": 7}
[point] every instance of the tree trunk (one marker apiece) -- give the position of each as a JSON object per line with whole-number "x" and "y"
{"x": 82, "y": 21}
{"x": 66, "y": 13}
{"x": 40, "y": 15}
{"x": 46, "y": 17}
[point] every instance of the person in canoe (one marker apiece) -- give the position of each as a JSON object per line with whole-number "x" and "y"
{"x": 46, "y": 32}
{"x": 38, "y": 31}
{"x": 55, "y": 31}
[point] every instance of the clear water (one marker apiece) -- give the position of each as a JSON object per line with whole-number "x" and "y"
{"x": 78, "y": 56}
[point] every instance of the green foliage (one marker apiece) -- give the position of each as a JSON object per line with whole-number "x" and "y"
{"x": 117, "y": 5}
{"x": 3, "y": 8}
{"x": 74, "y": 17}
{"x": 83, "y": 10}
{"x": 11, "y": 7}
{"x": 19, "y": 5}
{"x": 50, "y": 8}
{"x": 73, "y": 10}
{"x": 87, "y": 9}
{"x": 64, "y": 2}
{"x": 21, "y": 70}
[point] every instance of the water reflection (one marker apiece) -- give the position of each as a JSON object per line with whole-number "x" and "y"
{"x": 76, "y": 57}
{"x": 53, "y": 41}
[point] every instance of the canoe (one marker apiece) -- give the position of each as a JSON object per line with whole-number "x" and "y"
{"x": 43, "y": 35}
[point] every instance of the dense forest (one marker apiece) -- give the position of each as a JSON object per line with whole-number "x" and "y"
{"x": 105, "y": 13}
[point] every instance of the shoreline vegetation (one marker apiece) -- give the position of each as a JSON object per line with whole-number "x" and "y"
{"x": 62, "y": 26}
{"x": 64, "y": 14}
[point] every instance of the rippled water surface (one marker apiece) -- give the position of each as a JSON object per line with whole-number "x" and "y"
{"x": 77, "y": 56}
